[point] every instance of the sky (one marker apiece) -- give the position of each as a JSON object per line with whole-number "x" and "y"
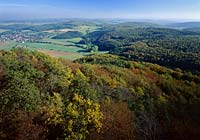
{"x": 125, "y": 9}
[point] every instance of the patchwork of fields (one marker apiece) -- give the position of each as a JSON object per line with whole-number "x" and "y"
{"x": 64, "y": 48}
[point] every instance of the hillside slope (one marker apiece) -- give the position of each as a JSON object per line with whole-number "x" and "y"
{"x": 101, "y": 97}
{"x": 166, "y": 47}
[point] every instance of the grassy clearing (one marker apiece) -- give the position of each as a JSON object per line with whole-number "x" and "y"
{"x": 85, "y": 29}
{"x": 73, "y": 41}
{"x": 38, "y": 46}
{"x": 66, "y": 55}
{"x": 55, "y": 41}
{"x": 72, "y": 57}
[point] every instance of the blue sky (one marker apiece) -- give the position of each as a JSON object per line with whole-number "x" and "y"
{"x": 135, "y": 9}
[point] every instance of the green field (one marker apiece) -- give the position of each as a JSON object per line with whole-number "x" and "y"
{"x": 73, "y": 56}
{"x": 85, "y": 28}
{"x": 38, "y": 46}
{"x": 65, "y": 48}
{"x": 73, "y": 41}
{"x": 70, "y": 51}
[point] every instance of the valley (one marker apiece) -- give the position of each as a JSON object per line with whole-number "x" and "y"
{"x": 37, "y": 38}
{"x": 99, "y": 80}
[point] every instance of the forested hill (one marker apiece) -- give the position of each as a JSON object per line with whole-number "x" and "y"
{"x": 163, "y": 46}
{"x": 103, "y": 97}
{"x": 184, "y": 25}
{"x": 193, "y": 29}
{"x": 132, "y": 25}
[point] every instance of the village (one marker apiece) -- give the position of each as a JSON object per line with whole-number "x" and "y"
{"x": 20, "y": 36}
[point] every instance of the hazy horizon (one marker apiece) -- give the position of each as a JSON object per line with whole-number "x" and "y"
{"x": 171, "y": 10}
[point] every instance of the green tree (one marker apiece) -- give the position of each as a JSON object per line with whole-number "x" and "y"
{"x": 19, "y": 93}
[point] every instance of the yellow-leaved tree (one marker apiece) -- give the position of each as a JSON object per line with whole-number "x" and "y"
{"x": 75, "y": 117}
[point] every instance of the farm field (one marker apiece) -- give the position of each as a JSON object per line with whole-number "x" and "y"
{"x": 61, "y": 54}
{"x": 39, "y": 46}
{"x": 68, "y": 52}
{"x": 72, "y": 41}
{"x": 43, "y": 41}
{"x": 62, "y": 48}
{"x": 85, "y": 29}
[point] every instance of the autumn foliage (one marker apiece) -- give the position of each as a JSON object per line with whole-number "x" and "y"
{"x": 101, "y": 97}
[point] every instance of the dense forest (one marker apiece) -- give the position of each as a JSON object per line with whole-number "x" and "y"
{"x": 168, "y": 47}
{"x": 104, "y": 97}
{"x": 68, "y": 35}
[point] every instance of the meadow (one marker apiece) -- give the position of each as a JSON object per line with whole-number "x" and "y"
{"x": 64, "y": 48}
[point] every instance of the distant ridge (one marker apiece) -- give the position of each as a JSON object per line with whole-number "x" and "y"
{"x": 134, "y": 25}
{"x": 184, "y": 25}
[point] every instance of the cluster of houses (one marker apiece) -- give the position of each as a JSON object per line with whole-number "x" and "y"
{"x": 20, "y": 37}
